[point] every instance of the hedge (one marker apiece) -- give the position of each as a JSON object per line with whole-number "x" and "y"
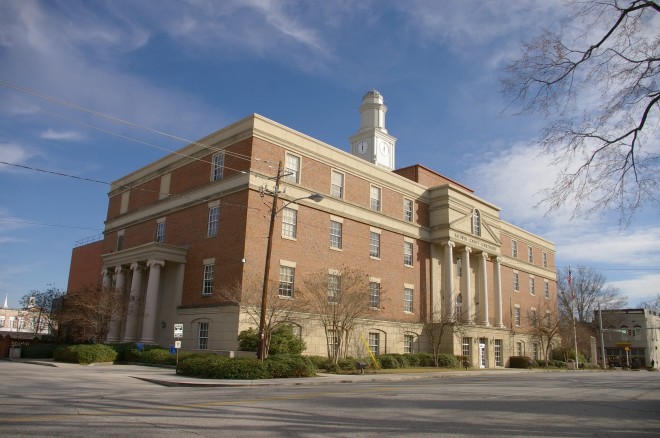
{"x": 521, "y": 362}
{"x": 38, "y": 351}
{"x": 85, "y": 353}
{"x": 290, "y": 365}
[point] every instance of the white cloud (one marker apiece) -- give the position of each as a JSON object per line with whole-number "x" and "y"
{"x": 642, "y": 288}
{"x": 51, "y": 134}
{"x": 13, "y": 153}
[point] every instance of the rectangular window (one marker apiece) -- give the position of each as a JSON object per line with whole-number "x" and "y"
{"x": 203, "y": 336}
{"x": 160, "y": 232}
{"x": 337, "y": 184}
{"x": 334, "y": 286}
{"x": 516, "y": 316}
{"x": 2, "y": 321}
{"x": 465, "y": 346}
{"x": 530, "y": 254}
{"x": 408, "y": 300}
{"x": 408, "y": 344}
{"x": 333, "y": 343}
{"x": 408, "y": 206}
{"x": 209, "y": 272}
{"x": 516, "y": 284}
{"x": 459, "y": 267}
{"x": 520, "y": 351}
{"x": 546, "y": 289}
{"x": 375, "y": 198}
{"x": 408, "y": 253}
{"x": 544, "y": 256}
{"x": 374, "y": 294}
{"x": 374, "y": 343}
{"x": 335, "y": 234}
{"x": 514, "y": 249}
{"x": 286, "y": 281}
{"x": 289, "y": 219}
{"x": 532, "y": 317}
{"x": 214, "y": 216}
{"x": 374, "y": 244}
{"x": 532, "y": 289}
{"x": 120, "y": 241}
{"x": 292, "y": 169}
{"x": 498, "y": 352}
{"x": 535, "y": 350}
{"x": 218, "y": 166}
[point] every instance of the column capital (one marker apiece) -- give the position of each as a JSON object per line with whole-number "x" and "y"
{"x": 467, "y": 249}
{"x": 448, "y": 243}
{"x": 155, "y": 263}
{"x": 498, "y": 259}
{"x": 119, "y": 269}
{"x": 137, "y": 267}
{"x": 485, "y": 255}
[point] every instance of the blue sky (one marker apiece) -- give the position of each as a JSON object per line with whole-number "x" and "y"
{"x": 191, "y": 67}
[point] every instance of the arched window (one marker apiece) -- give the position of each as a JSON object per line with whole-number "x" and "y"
{"x": 459, "y": 306}
{"x": 476, "y": 223}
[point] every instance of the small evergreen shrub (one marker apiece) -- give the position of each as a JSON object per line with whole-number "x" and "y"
{"x": 520, "y": 362}
{"x": 218, "y": 367}
{"x": 290, "y": 365}
{"x": 446, "y": 360}
{"x": 425, "y": 359}
{"x": 348, "y": 364}
{"x": 413, "y": 360}
{"x": 320, "y": 362}
{"x": 282, "y": 341}
{"x": 85, "y": 353}
{"x": 388, "y": 362}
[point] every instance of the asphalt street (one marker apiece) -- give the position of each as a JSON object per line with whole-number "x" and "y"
{"x": 126, "y": 400}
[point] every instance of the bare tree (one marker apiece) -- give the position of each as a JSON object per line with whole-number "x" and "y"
{"x": 653, "y": 304}
{"x": 338, "y": 301}
{"x": 586, "y": 290}
{"x": 41, "y": 307}
{"x": 600, "y": 91}
{"x": 248, "y": 295}
{"x": 87, "y": 313}
{"x": 545, "y": 325}
{"x": 439, "y": 326}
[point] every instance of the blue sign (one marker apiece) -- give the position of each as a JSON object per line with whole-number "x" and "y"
{"x": 140, "y": 346}
{"x": 172, "y": 349}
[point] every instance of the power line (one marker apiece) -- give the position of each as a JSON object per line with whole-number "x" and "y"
{"x": 113, "y": 118}
{"x": 49, "y": 225}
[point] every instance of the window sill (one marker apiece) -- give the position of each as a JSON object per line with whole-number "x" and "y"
{"x": 335, "y": 249}
{"x": 290, "y": 238}
{"x": 374, "y": 257}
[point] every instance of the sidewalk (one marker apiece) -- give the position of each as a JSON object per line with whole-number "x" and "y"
{"x": 166, "y": 376}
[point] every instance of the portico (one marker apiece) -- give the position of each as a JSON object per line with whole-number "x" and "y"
{"x": 155, "y": 274}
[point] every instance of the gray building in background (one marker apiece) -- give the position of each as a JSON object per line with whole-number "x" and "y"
{"x": 631, "y": 337}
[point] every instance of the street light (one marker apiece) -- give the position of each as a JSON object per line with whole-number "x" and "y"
{"x": 316, "y": 197}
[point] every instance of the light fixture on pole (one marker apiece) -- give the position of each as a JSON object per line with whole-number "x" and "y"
{"x": 316, "y": 197}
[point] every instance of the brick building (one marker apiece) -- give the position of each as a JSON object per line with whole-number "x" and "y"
{"x": 195, "y": 221}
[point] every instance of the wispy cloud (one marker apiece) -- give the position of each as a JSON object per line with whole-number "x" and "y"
{"x": 13, "y": 153}
{"x": 645, "y": 287}
{"x": 51, "y": 134}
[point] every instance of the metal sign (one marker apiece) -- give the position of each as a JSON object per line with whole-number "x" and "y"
{"x": 178, "y": 330}
{"x": 177, "y": 344}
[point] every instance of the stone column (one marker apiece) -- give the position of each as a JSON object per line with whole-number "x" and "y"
{"x": 151, "y": 302}
{"x": 483, "y": 289}
{"x": 106, "y": 278}
{"x": 448, "y": 274}
{"x": 130, "y": 335}
{"x": 498, "y": 292}
{"x": 115, "y": 323}
{"x": 467, "y": 287}
{"x": 435, "y": 283}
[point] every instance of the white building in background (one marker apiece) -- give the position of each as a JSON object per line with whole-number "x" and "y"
{"x": 631, "y": 336}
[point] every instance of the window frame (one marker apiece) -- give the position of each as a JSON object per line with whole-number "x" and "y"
{"x": 466, "y": 346}
{"x": 517, "y": 320}
{"x": 408, "y": 213}
{"x": 208, "y": 278}
{"x": 544, "y": 257}
{"x": 336, "y": 237}
{"x": 408, "y": 344}
{"x": 408, "y": 253}
{"x": 408, "y": 297}
{"x": 337, "y": 187}
{"x": 514, "y": 249}
{"x": 476, "y": 222}
{"x": 203, "y": 335}
{"x": 532, "y": 285}
{"x": 374, "y": 343}
{"x": 374, "y": 294}
{"x": 498, "y": 352}
{"x": 530, "y": 254}
{"x": 218, "y": 166}
{"x": 374, "y": 245}
{"x": 377, "y": 201}
{"x": 160, "y": 231}
{"x": 292, "y": 175}
{"x": 516, "y": 282}
{"x": 334, "y": 287}
{"x": 214, "y": 221}
{"x": 286, "y": 284}
{"x": 546, "y": 289}
{"x": 289, "y": 223}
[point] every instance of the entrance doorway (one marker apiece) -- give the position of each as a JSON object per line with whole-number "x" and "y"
{"x": 483, "y": 359}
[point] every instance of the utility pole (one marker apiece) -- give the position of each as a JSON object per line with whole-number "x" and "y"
{"x": 261, "y": 350}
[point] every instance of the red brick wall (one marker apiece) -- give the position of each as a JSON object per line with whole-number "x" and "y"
{"x": 86, "y": 266}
